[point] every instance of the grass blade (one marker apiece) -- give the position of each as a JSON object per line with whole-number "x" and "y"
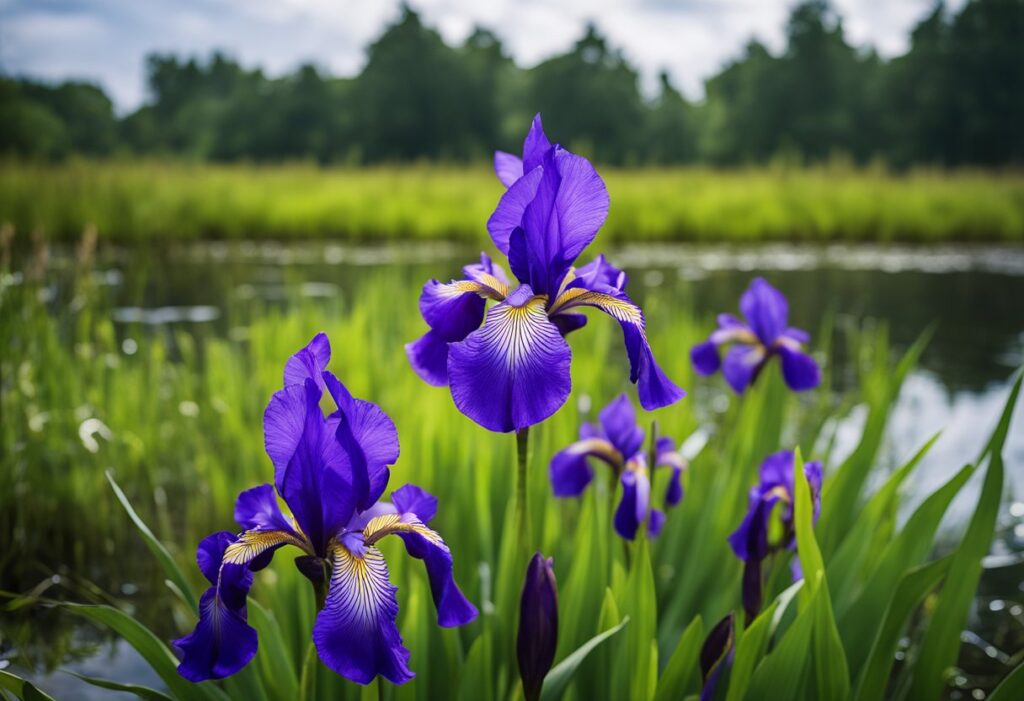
{"x": 170, "y": 567}
{"x": 558, "y": 679}
{"x": 142, "y": 692}
{"x": 24, "y": 690}
{"x": 912, "y": 588}
{"x": 153, "y": 650}
{"x": 682, "y": 674}
{"x": 1012, "y": 687}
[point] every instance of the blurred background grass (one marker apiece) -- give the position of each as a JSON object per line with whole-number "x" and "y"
{"x": 145, "y": 201}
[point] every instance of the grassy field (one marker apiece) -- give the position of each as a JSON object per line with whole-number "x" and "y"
{"x": 175, "y": 417}
{"x": 151, "y": 200}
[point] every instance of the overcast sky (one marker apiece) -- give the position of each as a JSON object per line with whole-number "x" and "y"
{"x": 106, "y": 40}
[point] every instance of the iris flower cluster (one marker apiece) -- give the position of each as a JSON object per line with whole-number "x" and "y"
{"x": 331, "y": 471}
{"x": 513, "y": 372}
{"x": 508, "y": 367}
{"x": 768, "y": 526}
{"x": 618, "y": 441}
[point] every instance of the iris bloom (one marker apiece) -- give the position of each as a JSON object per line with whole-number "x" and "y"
{"x": 618, "y": 441}
{"x": 331, "y": 472}
{"x": 751, "y": 345}
{"x": 768, "y": 526}
{"x": 513, "y": 371}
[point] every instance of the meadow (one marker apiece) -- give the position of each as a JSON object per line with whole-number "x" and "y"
{"x": 145, "y": 201}
{"x": 172, "y": 415}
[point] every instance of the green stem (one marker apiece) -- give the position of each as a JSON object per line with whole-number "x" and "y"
{"x": 522, "y": 510}
{"x": 307, "y": 682}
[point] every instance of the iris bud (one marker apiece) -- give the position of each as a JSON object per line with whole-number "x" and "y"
{"x": 538, "y": 625}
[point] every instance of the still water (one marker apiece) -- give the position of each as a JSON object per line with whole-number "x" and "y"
{"x": 973, "y": 296}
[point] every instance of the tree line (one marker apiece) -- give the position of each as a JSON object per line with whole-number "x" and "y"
{"x": 955, "y": 97}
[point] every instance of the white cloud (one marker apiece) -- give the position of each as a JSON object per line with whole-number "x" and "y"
{"x": 107, "y": 40}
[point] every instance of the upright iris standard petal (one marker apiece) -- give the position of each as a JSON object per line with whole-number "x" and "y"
{"x": 536, "y": 145}
{"x": 257, "y": 509}
{"x": 365, "y": 445}
{"x": 508, "y": 167}
{"x": 619, "y": 423}
{"x": 309, "y": 463}
{"x": 222, "y": 642}
{"x": 537, "y": 638}
{"x": 356, "y": 634}
{"x": 513, "y": 372}
{"x": 410, "y": 499}
{"x": 766, "y": 310}
{"x": 508, "y": 215}
{"x": 309, "y": 362}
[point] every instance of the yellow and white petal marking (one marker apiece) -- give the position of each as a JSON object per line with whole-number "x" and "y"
{"x": 252, "y": 544}
{"x": 484, "y": 284}
{"x": 360, "y": 588}
{"x": 672, "y": 458}
{"x": 619, "y": 309}
{"x": 515, "y": 330}
{"x": 387, "y": 524}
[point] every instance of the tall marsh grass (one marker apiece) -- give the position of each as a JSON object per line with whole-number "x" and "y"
{"x": 149, "y": 201}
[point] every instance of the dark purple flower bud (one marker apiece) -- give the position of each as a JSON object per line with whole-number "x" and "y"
{"x": 538, "y": 625}
{"x": 716, "y": 654}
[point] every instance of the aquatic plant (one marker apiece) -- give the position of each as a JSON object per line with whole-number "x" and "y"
{"x": 751, "y": 345}
{"x": 331, "y": 471}
{"x": 618, "y": 441}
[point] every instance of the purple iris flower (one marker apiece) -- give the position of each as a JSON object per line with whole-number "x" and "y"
{"x": 619, "y": 442}
{"x": 768, "y": 526}
{"x": 537, "y": 637}
{"x": 751, "y": 345}
{"x": 331, "y": 472}
{"x": 513, "y": 371}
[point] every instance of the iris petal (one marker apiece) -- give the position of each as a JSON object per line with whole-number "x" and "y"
{"x": 569, "y": 470}
{"x": 428, "y": 356}
{"x": 799, "y": 369}
{"x": 513, "y": 203}
{"x": 741, "y": 365}
{"x": 356, "y": 633}
{"x": 705, "y": 359}
{"x": 766, "y": 309}
{"x": 222, "y": 641}
{"x": 618, "y": 420}
{"x": 656, "y": 390}
{"x": 311, "y": 472}
{"x": 309, "y": 362}
{"x": 636, "y": 493}
{"x": 535, "y": 145}
{"x": 513, "y": 372}
{"x": 257, "y": 508}
{"x": 508, "y": 167}
{"x": 415, "y": 500}
{"x": 453, "y": 608}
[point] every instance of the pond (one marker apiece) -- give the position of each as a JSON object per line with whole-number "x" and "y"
{"x": 974, "y": 296}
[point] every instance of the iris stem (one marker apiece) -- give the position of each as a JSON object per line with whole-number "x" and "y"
{"x": 522, "y": 510}
{"x": 307, "y": 682}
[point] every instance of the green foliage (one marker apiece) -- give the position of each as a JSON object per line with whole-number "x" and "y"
{"x": 152, "y": 201}
{"x": 183, "y": 449}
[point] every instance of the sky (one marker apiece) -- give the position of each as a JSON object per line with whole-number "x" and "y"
{"x": 105, "y": 41}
